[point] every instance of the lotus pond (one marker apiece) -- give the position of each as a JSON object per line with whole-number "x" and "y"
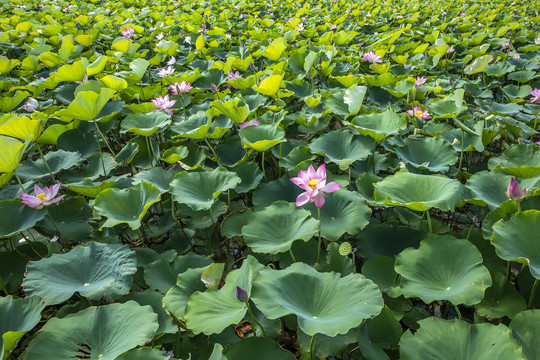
{"x": 238, "y": 180}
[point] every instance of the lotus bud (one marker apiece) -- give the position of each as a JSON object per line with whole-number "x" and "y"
{"x": 31, "y": 105}
{"x": 515, "y": 191}
{"x": 213, "y": 87}
{"x": 241, "y": 294}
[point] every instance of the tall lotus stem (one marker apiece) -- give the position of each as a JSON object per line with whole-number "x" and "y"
{"x": 320, "y": 238}
{"x": 45, "y": 161}
{"x": 311, "y": 347}
{"x": 430, "y": 230}
{"x": 533, "y": 292}
{"x": 254, "y": 319}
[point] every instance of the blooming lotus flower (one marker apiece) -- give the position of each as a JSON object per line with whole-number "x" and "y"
{"x": 233, "y": 76}
{"x": 248, "y": 123}
{"x": 419, "y": 113}
{"x": 31, "y": 105}
{"x": 371, "y": 57}
{"x": 450, "y": 50}
{"x": 516, "y": 55}
{"x": 165, "y": 72}
{"x": 420, "y": 80}
{"x": 42, "y": 196}
{"x": 300, "y": 27}
{"x": 535, "y": 95}
{"x": 159, "y": 36}
{"x": 515, "y": 191}
{"x": 171, "y": 61}
{"x": 537, "y": 41}
{"x": 128, "y": 33}
{"x": 182, "y": 88}
{"x": 163, "y": 103}
{"x": 314, "y": 182}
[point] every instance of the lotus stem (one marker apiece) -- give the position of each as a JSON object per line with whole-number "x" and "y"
{"x": 19, "y": 181}
{"x": 101, "y": 157}
{"x": 104, "y": 139}
{"x": 533, "y": 292}
{"x": 54, "y": 224}
{"x": 212, "y": 216}
{"x": 320, "y": 238}
{"x": 27, "y": 240}
{"x": 150, "y": 151}
{"x": 430, "y": 230}
{"x": 292, "y": 255}
{"x": 311, "y": 346}
{"x": 254, "y": 319}
{"x": 458, "y": 312}
{"x": 279, "y": 167}
{"x": 211, "y": 148}
{"x": 508, "y": 267}
{"x": 518, "y": 207}
{"x": 264, "y": 172}
{"x": 461, "y": 153}
{"x": 45, "y": 161}
{"x": 3, "y": 286}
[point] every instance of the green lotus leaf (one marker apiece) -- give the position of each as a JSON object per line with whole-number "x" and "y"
{"x": 77, "y": 140}
{"x": 230, "y": 109}
{"x": 177, "y": 297}
{"x": 88, "y": 104}
{"x": 232, "y": 225}
{"x": 102, "y": 332}
{"x": 418, "y": 192}
{"x": 525, "y": 331}
{"x": 195, "y": 127}
{"x": 56, "y": 160}
{"x": 250, "y": 176}
{"x": 162, "y": 274}
{"x": 262, "y": 236}
{"x": 327, "y": 346}
{"x": 336, "y": 104}
{"x": 18, "y": 317}
{"x": 114, "y": 82}
{"x": 489, "y": 186}
{"x": 12, "y": 267}
{"x": 17, "y": 217}
{"x": 21, "y": 127}
{"x": 11, "y": 154}
{"x": 126, "y": 205}
{"x": 145, "y": 124}
{"x": 443, "y": 268}
{"x": 462, "y": 341}
{"x": 353, "y": 97}
{"x": 516, "y": 239}
{"x": 9, "y": 103}
{"x": 339, "y": 304}
{"x": 448, "y": 107}
{"x": 520, "y": 160}
{"x": 381, "y": 332}
{"x": 269, "y": 86}
{"x": 342, "y": 144}
{"x": 156, "y": 176}
{"x": 261, "y": 348}
{"x": 95, "y": 271}
{"x": 478, "y": 65}
{"x": 6, "y": 64}
{"x": 154, "y": 299}
{"x": 71, "y": 72}
{"x": 199, "y": 190}
{"x": 143, "y": 353}
{"x": 174, "y": 154}
{"x": 275, "y": 49}
{"x": 268, "y": 193}
{"x": 296, "y": 156}
{"x": 501, "y": 299}
{"x": 261, "y": 137}
{"x": 380, "y": 270}
{"x": 435, "y": 155}
{"x": 71, "y": 218}
{"x": 210, "y": 312}
{"x": 89, "y": 188}
{"x": 379, "y": 125}
{"x": 343, "y": 212}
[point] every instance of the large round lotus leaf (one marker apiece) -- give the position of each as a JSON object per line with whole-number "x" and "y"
{"x": 489, "y": 186}
{"x": 379, "y": 126}
{"x": 154, "y": 299}
{"x": 501, "y": 299}
{"x": 88, "y": 104}
{"x": 324, "y": 303}
{"x": 342, "y": 144}
{"x": 520, "y": 160}
{"x": 156, "y": 176}
{"x": 126, "y": 205}
{"x": 71, "y": 218}
{"x": 145, "y": 124}
{"x": 12, "y": 267}
{"x": 250, "y": 174}
{"x": 261, "y": 137}
{"x": 78, "y": 140}
{"x": 263, "y": 236}
{"x": 389, "y": 240}
{"x": 418, "y": 192}
{"x": 443, "y": 268}
{"x": 143, "y": 353}
{"x": 210, "y": 312}
{"x": 199, "y": 190}
{"x": 381, "y": 332}
{"x": 326, "y": 346}
{"x": 270, "y": 192}
{"x": 18, "y": 317}
{"x": 435, "y": 155}
{"x": 11, "y": 154}
{"x": 17, "y": 217}
{"x": 526, "y": 330}
{"x": 177, "y": 297}
{"x": 96, "y": 271}
{"x": 380, "y": 270}
{"x": 102, "y": 332}
{"x": 343, "y": 212}
{"x": 517, "y": 239}
{"x": 461, "y": 341}
{"x": 260, "y": 348}
{"x": 233, "y": 224}
{"x": 195, "y": 127}
{"x": 506, "y": 210}
{"x": 57, "y": 161}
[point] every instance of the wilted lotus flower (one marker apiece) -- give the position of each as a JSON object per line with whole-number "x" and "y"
{"x": 42, "y": 196}
{"x": 535, "y": 95}
{"x": 314, "y": 182}
{"x": 182, "y": 88}
{"x": 515, "y": 191}
{"x": 241, "y": 294}
{"x": 163, "y": 103}
{"x": 371, "y": 57}
{"x": 420, "y": 80}
{"x": 166, "y": 72}
{"x": 128, "y": 33}
{"x": 421, "y": 115}
{"x": 248, "y": 123}
{"x": 30, "y": 105}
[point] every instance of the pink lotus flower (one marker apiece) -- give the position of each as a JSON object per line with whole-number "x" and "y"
{"x": 128, "y": 33}
{"x": 248, "y": 123}
{"x": 182, "y": 88}
{"x": 420, "y": 80}
{"x": 419, "y": 113}
{"x": 171, "y": 61}
{"x": 535, "y": 96}
{"x": 505, "y": 46}
{"x": 42, "y": 196}
{"x": 371, "y": 57}
{"x": 450, "y": 50}
{"x": 515, "y": 191}
{"x": 314, "y": 182}
{"x": 516, "y": 55}
{"x": 31, "y": 105}
{"x": 165, "y": 72}
{"x": 163, "y": 103}
{"x": 233, "y": 76}
{"x": 537, "y": 41}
